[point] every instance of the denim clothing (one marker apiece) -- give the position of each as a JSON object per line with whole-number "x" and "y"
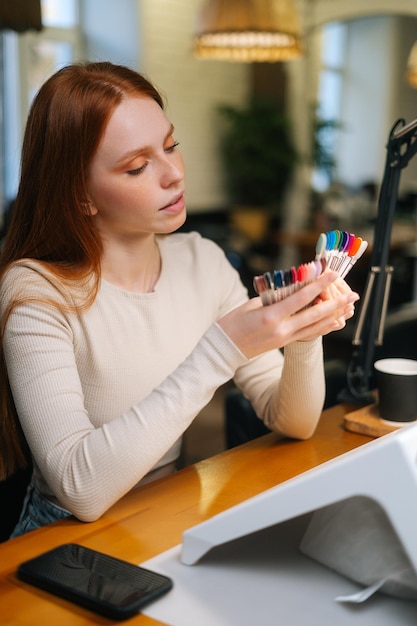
{"x": 37, "y": 512}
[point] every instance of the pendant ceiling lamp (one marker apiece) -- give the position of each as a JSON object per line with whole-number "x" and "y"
{"x": 247, "y": 30}
{"x": 20, "y": 15}
{"x": 412, "y": 67}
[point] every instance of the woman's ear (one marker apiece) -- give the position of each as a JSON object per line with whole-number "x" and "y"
{"x": 90, "y": 208}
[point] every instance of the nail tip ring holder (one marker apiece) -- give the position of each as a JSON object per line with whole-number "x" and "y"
{"x": 374, "y": 470}
{"x": 336, "y": 250}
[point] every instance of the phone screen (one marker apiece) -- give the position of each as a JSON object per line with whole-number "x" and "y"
{"x": 100, "y": 582}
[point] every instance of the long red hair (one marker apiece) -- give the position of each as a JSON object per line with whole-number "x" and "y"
{"x": 50, "y": 221}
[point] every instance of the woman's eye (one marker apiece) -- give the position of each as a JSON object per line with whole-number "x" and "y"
{"x": 172, "y": 147}
{"x": 137, "y": 170}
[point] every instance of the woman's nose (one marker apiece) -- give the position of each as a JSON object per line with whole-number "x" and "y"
{"x": 173, "y": 171}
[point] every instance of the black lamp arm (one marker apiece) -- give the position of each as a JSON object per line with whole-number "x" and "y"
{"x": 401, "y": 147}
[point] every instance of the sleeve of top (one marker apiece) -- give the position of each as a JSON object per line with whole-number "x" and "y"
{"x": 286, "y": 393}
{"x": 89, "y": 469}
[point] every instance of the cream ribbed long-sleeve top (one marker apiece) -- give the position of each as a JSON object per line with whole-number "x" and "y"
{"x": 105, "y": 395}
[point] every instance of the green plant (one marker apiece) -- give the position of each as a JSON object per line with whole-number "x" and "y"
{"x": 258, "y": 153}
{"x": 324, "y": 136}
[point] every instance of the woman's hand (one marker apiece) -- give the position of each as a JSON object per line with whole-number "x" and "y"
{"x": 317, "y": 309}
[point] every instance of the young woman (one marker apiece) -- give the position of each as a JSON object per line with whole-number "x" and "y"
{"x": 115, "y": 332}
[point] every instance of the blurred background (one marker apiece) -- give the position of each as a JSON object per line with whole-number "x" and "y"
{"x": 275, "y": 152}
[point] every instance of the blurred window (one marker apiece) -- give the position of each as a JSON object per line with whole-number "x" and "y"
{"x": 330, "y": 99}
{"x": 28, "y": 60}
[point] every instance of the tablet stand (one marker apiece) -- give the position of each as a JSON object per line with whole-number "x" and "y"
{"x": 384, "y": 470}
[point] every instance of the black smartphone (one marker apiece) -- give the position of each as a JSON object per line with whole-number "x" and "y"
{"x": 97, "y": 581}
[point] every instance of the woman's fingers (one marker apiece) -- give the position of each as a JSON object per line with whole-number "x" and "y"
{"x": 324, "y": 320}
{"x": 304, "y": 315}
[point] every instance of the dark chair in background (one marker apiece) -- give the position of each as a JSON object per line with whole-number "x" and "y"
{"x": 12, "y": 494}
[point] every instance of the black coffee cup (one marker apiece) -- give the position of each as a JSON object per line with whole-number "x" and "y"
{"x": 396, "y": 381}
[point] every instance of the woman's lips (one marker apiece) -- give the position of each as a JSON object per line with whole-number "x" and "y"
{"x": 176, "y": 206}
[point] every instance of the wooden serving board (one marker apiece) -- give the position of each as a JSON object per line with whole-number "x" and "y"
{"x": 367, "y": 421}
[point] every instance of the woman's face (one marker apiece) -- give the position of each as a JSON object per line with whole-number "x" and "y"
{"x": 136, "y": 178}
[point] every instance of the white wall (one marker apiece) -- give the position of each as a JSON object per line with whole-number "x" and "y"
{"x": 320, "y": 11}
{"x": 377, "y": 95}
{"x": 110, "y": 31}
{"x": 366, "y": 109}
{"x": 403, "y": 97}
